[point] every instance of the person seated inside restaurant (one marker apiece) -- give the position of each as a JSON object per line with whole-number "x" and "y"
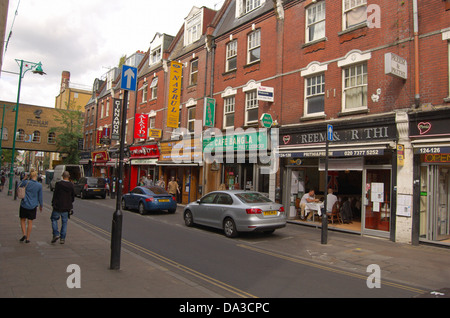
{"x": 308, "y": 197}
{"x": 331, "y": 200}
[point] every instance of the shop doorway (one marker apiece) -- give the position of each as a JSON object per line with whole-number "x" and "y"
{"x": 437, "y": 203}
{"x": 376, "y": 206}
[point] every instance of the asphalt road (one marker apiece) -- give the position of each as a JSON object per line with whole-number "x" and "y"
{"x": 229, "y": 267}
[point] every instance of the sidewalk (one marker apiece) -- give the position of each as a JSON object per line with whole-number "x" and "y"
{"x": 39, "y": 268}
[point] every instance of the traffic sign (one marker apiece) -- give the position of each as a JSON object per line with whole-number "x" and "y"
{"x": 330, "y": 132}
{"x": 266, "y": 120}
{"x": 129, "y": 78}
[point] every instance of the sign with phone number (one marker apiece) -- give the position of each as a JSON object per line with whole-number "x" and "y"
{"x": 343, "y": 153}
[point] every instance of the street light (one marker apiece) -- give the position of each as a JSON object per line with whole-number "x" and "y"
{"x": 25, "y": 66}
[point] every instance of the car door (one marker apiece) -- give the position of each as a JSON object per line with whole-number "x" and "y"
{"x": 200, "y": 212}
{"x": 133, "y": 198}
{"x": 223, "y": 203}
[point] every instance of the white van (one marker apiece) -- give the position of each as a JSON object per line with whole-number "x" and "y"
{"x": 76, "y": 172}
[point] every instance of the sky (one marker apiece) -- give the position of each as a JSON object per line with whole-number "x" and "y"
{"x": 84, "y": 37}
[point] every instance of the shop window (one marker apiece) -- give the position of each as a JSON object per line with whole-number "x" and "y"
{"x": 355, "y": 87}
{"x": 315, "y": 21}
{"x": 228, "y": 113}
{"x": 254, "y": 47}
{"x": 251, "y": 107}
{"x": 355, "y": 12}
{"x": 231, "y": 63}
{"x": 315, "y": 94}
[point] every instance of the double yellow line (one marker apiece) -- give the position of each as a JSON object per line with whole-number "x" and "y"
{"x": 233, "y": 290}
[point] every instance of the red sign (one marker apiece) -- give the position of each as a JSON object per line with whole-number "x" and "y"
{"x": 141, "y": 126}
{"x": 145, "y": 151}
{"x": 100, "y": 156}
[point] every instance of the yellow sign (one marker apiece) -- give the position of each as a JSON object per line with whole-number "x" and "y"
{"x": 154, "y": 133}
{"x": 400, "y": 155}
{"x": 173, "y": 106}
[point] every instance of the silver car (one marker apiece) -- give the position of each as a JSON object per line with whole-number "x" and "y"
{"x": 236, "y": 211}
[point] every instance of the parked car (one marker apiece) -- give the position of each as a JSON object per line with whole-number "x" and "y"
{"x": 90, "y": 187}
{"x": 146, "y": 199}
{"x": 236, "y": 211}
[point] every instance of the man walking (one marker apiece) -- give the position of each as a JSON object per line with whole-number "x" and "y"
{"x": 62, "y": 203}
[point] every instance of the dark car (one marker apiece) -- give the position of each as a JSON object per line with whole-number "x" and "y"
{"x": 146, "y": 199}
{"x": 90, "y": 187}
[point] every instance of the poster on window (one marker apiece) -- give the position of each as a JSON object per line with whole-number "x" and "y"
{"x": 141, "y": 126}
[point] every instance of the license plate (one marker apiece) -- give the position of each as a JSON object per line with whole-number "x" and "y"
{"x": 164, "y": 200}
{"x": 270, "y": 212}
{"x": 96, "y": 189}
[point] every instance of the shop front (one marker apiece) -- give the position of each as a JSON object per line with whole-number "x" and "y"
{"x": 237, "y": 162}
{"x": 361, "y": 172}
{"x": 430, "y": 137}
{"x": 143, "y": 161}
{"x": 99, "y": 163}
{"x": 182, "y": 160}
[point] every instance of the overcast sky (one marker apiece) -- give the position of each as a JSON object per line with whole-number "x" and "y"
{"x": 84, "y": 37}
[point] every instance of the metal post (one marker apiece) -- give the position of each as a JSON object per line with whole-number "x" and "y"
{"x": 11, "y": 170}
{"x": 324, "y": 234}
{"x": 116, "y": 231}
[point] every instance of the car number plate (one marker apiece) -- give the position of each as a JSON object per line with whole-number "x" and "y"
{"x": 270, "y": 212}
{"x": 164, "y": 200}
{"x": 96, "y": 189}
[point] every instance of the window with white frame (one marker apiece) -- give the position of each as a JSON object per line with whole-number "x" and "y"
{"x": 254, "y": 46}
{"x": 228, "y": 112}
{"x": 155, "y": 55}
{"x": 193, "y": 28}
{"x": 315, "y": 21}
{"x": 36, "y": 136}
{"x": 102, "y": 110}
{"x": 231, "y": 62}
{"x": 20, "y": 135}
{"x": 191, "y": 119}
{"x": 193, "y": 72}
{"x": 355, "y": 86}
{"x": 251, "y": 107}
{"x": 152, "y": 122}
{"x": 107, "y": 108}
{"x": 246, "y": 6}
{"x": 315, "y": 94}
{"x": 51, "y": 138}
{"x": 355, "y": 12}
{"x": 144, "y": 92}
{"x": 154, "y": 88}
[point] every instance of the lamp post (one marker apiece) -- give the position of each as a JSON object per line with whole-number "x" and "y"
{"x": 25, "y": 66}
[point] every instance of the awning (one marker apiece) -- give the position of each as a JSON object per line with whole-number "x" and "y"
{"x": 343, "y": 164}
{"x": 183, "y": 164}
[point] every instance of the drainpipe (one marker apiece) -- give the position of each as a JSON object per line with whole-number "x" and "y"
{"x": 416, "y": 55}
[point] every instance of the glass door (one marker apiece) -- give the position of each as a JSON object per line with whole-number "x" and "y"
{"x": 377, "y": 200}
{"x": 438, "y": 203}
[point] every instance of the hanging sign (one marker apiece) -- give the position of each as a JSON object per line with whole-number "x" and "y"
{"x": 173, "y": 106}
{"x": 115, "y": 128}
{"x": 141, "y": 126}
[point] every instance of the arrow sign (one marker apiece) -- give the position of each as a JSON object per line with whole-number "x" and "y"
{"x": 330, "y": 132}
{"x": 129, "y": 77}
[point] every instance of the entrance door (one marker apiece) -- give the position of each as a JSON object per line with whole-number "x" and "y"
{"x": 377, "y": 200}
{"x": 439, "y": 206}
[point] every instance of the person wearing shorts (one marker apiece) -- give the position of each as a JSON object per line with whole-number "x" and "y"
{"x": 29, "y": 204}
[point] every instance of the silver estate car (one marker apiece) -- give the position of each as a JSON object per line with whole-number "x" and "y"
{"x": 236, "y": 211}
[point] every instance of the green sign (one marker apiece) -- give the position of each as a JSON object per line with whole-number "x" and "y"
{"x": 210, "y": 110}
{"x": 244, "y": 141}
{"x": 266, "y": 120}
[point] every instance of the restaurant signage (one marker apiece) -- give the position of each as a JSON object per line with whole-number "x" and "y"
{"x": 141, "y": 126}
{"x": 115, "y": 128}
{"x": 144, "y": 151}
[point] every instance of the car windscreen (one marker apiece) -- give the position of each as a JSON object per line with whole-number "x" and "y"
{"x": 95, "y": 181}
{"x": 252, "y": 197}
{"x": 157, "y": 190}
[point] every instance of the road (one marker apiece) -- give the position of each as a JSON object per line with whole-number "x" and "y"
{"x": 230, "y": 267}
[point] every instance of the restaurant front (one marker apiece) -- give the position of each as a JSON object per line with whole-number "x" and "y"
{"x": 361, "y": 171}
{"x": 430, "y": 137}
{"x": 143, "y": 159}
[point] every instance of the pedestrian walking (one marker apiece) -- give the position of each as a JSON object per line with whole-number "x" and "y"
{"x": 172, "y": 187}
{"x": 29, "y": 204}
{"x": 161, "y": 182}
{"x": 62, "y": 203}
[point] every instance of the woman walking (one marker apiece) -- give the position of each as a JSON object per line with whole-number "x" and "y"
{"x": 29, "y": 204}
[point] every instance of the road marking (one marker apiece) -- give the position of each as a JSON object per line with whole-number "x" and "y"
{"x": 172, "y": 263}
{"x": 327, "y": 268}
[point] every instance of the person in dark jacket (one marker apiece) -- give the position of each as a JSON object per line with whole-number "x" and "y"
{"x": 62, "y": 203}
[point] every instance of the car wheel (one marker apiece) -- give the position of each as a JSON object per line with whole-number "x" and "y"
{"x": 229, "y": 227}
{"x": 124, "y": 205}
{"x": 141, "y": 208}
{"x": 82, "y": 195}
{"x": 188, "y": 219}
